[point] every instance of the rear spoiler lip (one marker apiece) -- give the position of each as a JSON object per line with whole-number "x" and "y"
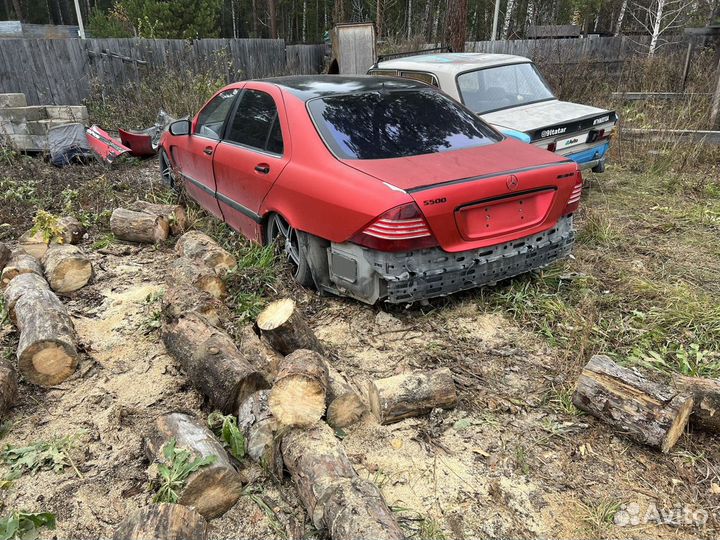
{"x": 484, "y": 176}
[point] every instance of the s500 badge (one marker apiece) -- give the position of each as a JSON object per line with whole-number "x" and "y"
{"x": 435, "y": 201}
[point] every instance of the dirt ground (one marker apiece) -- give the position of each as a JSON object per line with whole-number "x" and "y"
{"x": 512, "y": 460}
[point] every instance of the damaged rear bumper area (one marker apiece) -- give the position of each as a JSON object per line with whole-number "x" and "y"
{"x": 369, "y": 275}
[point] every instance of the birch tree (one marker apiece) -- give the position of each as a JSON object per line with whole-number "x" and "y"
{"x": 508, "y": 17}
{"x": 660, "y": 17}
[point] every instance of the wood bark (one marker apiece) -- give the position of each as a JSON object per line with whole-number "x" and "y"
{"x": 335, "y": 498}
{"x": 181, "y": 301}
{"x": 8, "y": 387}
{"x": 259, "y": 353}
{"x": 344, "y": 406}
{"x": 5, "y": 255}
{"x": 200, "y": 247}
{"x": 212, "y": 490}
{"x": 184, "y": 272}
{"x": 35, "y": 244}
{"x": 706, "y": 401}
{"x": 285, "y": 329}
{"x": 20, "y": 286}
{"x": 647, "y": 412}
{"x": 299, "y": 392}
{"x": 20, "y": 263}
{"x": 411, "y": 394}
{"x": 212, "y": 362}
{"x": 138, "y": 226}
{"x": 174, "y": 214}
{"x": 163, "y": 521}
{"x": 46, "y": 352}
{"x": 258, "y": 425}
{"x": 67, "y": 268}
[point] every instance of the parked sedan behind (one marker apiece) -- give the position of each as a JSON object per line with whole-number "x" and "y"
{"x": 376, "y": 188}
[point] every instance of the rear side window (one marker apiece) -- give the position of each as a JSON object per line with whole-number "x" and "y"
{"x": 212, "y": 118}
{"x": 391, "y": 124}
{"x": 427, "y": 78}
{"x": 256, "y": 123}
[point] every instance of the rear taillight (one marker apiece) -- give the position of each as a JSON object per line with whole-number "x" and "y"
{"x": 402, "y": 228}
{"x": 574, "y": 200}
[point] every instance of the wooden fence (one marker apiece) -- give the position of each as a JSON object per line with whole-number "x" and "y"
{"x": 61, "y": 71}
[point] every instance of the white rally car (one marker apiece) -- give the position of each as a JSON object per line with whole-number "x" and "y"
{"x": 509, "y": 93}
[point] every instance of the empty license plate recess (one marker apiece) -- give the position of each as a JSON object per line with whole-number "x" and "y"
{"x": 498, "y": 216}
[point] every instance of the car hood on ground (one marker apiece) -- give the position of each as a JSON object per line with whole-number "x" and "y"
{"x": 425, "y": 170}
{"x": 529, "y": 118}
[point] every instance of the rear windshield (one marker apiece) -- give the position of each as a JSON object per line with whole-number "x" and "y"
{"x": 490, "y": 89}
{"x": 391, "y": 124}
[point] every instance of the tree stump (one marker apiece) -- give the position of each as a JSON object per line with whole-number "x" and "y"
{"x": 20, "y": 286}
{"x": 344, "y": 404}
{"x": 184, "y": 272}
{"x": 138, "y": 226}
{"x": 46, "y": 351}
{"x": 335, "y": 498}
{"x": 212, "y": 362}
{"x": 19, "y": 263}
{"x": 35, "y": 244}
{"x": 648, "y": 412}
{"x": 163, "y": 521}
{"x": 285, "y": 329}
{"x": 258, "y": 425}
{"x": 174, "y": 214}
{"x": 179, "y": 301}
{"x": 411, "y": 394}
{"x": 706, "y": 401}
{"x": 300, "y": 389}
{"x": 8, "y": 387}
{"x": 212, "y": 490}
{"x": 5, "y": 255}
{"x": 67, "y": 269}
{"x": 200, "y": 247}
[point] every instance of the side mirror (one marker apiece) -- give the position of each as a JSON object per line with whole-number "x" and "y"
{"x": 180, "y": 127}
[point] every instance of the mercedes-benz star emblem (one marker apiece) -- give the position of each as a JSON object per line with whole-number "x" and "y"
{"x": 512, "y": 182}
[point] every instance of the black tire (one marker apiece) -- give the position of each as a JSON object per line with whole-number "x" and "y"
{"x": 599, "y": 168}
{"x": 278, "y": 230}
{"x": 166, "y": 171}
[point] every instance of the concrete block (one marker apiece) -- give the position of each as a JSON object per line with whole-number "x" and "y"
{"x": 28, "y": 143}
{"x": 42, "y": 127}
{"x": 68, "y": 113}
{"x": 23, "y": 114}
{"x": 12, "y": 100}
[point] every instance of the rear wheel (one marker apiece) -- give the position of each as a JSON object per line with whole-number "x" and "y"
{"x": 280, "y": 232}
{"x": 166, "y": 171}
{"x": 599, "y": 168}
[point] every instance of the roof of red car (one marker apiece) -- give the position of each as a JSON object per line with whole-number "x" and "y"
{"x": 307, "y": 87}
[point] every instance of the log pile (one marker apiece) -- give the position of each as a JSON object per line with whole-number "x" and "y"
{"x": 139, "y": 226}
{"x": 299, "y": 392}
{"x": 19, "y": 263}
{"x": 260, "y": 429}
{"x": 180, "y": 301}
{"x": 47, "y": 352}
{"x": 344, "y": 406}
{"x": 186, "y": 273}
{"x": 70, "y": 230}
{"x": 163, "y": 521}
{"x": 213, "y": 489}
{"x": 66, "y": 267}
{"x": 199, "y": 247}
{"x": 174, "y": 214}
{"x": 648, "y": 412}
{"x": 282, "y": 325}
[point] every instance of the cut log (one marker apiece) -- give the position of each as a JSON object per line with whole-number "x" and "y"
{"x": 258, "y": 353}
{"x": 344, "y": 406}
{"x": 300, "y": 389}
{"x": 35, "y": 244}
{"x": 212, "y": 362}
{"x": 258, "y": 425}
{"x": 173, "y": 213}
{"x": 46, "y": 352}
{"x": 8, "y": 387}
{"x": 647, "y": 412}
{"x": 184, "y": 272}
{"x": 285, "y": 329}
{"x": 67, "y": 269}
{"x": 181, "y": 301}
{"x": 5, "y": 255}
{"x": 706, "y": 401}
{"x": 411, "y": 394}
{"x": 20, "y": 286}
{"x": 139, "y": 226}
{"x": 201, "y": 248}
{"x": 163, "y": 521}
{"x": 212, "y": 490}
{"x": 335, "y": 498}
{"x": 20, "y": 263}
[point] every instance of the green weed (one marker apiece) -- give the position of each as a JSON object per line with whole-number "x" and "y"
{"x": 48, "y": 225}
{"x": 44, "y": 455}
{"x": 24, "y": 525}
{"x": 105, "y": 241}
{"x": 226, "y": 428}
{"x": 174, "y": 472}
{"x": 598, "y": 516}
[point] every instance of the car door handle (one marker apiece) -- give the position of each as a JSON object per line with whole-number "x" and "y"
{"x": 262, "y": 168}
{"x": 208, "y": 150}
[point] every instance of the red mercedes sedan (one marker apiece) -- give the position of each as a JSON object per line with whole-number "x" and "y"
{"x": 376, "y": 188}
